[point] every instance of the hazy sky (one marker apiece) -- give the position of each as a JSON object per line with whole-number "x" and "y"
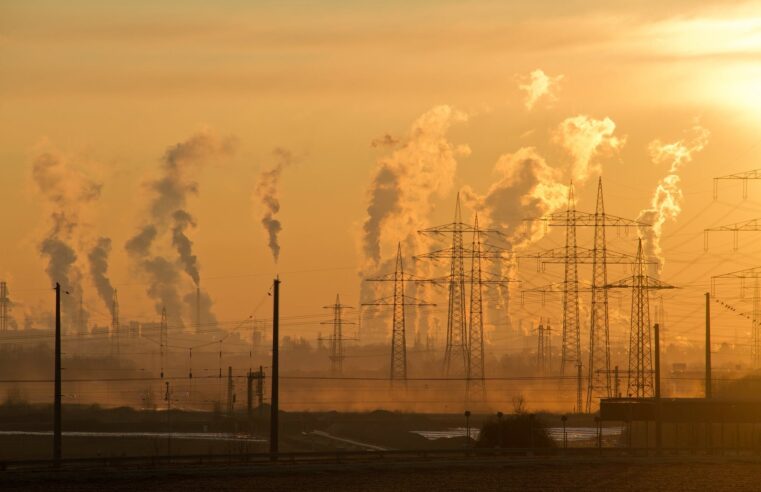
{"x": 108, "y": 87}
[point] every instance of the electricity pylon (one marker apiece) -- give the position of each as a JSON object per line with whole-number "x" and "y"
{"x": 4, "y": 307}
{"x": 471, "y": 343}
{"x": 598, "y": 383}
{"x": 337, "y": 339}
{"x": 743, "y": 275}
{"x": 640, "y": 383}
{"x": 571, "y": 256}
{"x": 743, "y": 176}
{"x": 544, "y": 348}
{"x": 753, "y": 225}
{"x": 475, "y": 379}
{"x": 399, "y": 301}
{"x": 115, "y": 325}
{"x": 456, "y": 350}
{"x": 163, "y": 340}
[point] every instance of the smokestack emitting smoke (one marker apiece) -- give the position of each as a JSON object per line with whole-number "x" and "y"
{"x": 666, "y": 202}
{"x": 538, "y": 85}
{"x": 66, "y": 194}
{"x": 98, "y": 258}
{"x": 267, "y": 192}
{"x": 168, "y": 217}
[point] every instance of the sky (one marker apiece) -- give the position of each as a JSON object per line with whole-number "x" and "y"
{"x": 310, "y": 103}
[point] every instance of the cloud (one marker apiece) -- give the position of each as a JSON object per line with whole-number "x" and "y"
{"x": 539, "y": 86}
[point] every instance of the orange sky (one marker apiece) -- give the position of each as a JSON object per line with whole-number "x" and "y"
{"x": 111, "y": 86}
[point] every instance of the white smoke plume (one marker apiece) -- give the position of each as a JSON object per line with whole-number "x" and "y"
{"x": 586, "y": 138}
{"x": 415, "y": 169}
{"x": 666, "y": 202}
{"x": 98, "y": 259}
{"x": 538, "y": 85}
{"x": 168, "y": 219}
{"x": 526, "y": 186}
{"x": 267, "y": 192}
{"x": 66, "y": 195}
{"x": 420, "y": 167}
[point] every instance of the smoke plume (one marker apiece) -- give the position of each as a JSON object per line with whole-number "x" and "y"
{"x": 267, "y": 192}
{"x": 666, "y": 202}
{"x": 184, "y": 246}
{"x": 168, "y": 220}
{"x": 538, "y": 85}
{"x": 98, "y": 259}
{"x": 66, "y": 195}
{"x": 586, "y": 138}
{"x": 400, "y": 196}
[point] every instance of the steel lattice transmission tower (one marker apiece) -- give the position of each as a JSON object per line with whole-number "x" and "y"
{"x": 336, "y": 340}
{"x": 475, "y": 377}
{"x": 640, "y": 384}
{"x": 4, "y": 307}
{"x": 466, "y": 342}
{"x": 598, "y": 370}
{"x": 743, "y": 176}
{"x": 753, "y": 225}
{"x": 163, "y": 340}
{"x": 571, "y": 341}
{"x": 544, "y": 348}
{"x": 115, "y": 324}
{"x": 456, "y": 337}
{"x": 743, "y": 275}
{"x": 399, "y": 302}
{"x": 571, "y": 255}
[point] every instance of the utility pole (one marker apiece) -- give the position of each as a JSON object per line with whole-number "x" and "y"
{"x": 709, "y": 393}
{"x": 275, "y": 368}
{"x": 756, "y": 327}
{"x": 57, "y": 435}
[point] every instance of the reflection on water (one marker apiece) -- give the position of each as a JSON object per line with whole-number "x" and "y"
{"x": 197, "y": 436}
{"x": 448, "y": 433}
{"x": 556, "y": 433}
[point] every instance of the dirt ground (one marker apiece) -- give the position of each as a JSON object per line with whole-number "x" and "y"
{"x": 698, "y": 476}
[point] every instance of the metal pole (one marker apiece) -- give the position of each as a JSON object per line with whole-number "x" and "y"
{"x": 57, "y": 389}
{"x": 658, "y": 423}
{"x": 709, "y": 393}
{"x": 467, "y": 427}
{"x": 499, "y": 429}
{"x": 275, "y": 344}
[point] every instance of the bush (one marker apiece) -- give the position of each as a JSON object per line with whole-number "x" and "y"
{"x": 521, "y": 430}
